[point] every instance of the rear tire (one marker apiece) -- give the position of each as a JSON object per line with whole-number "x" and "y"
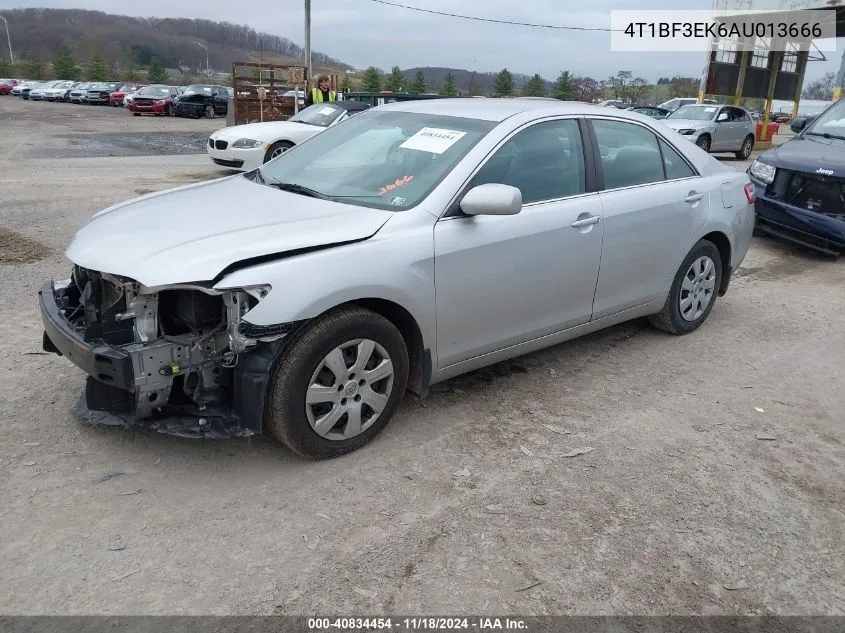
{"x": 697, "y": 281}
{"x": 344, "y": 417}
{"x": 277, "y": 149}
{"x": 704, "y": 142}
{"x": 746, "y": 149}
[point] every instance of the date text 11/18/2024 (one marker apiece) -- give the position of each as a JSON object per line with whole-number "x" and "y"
{"x": 416, "y": 624}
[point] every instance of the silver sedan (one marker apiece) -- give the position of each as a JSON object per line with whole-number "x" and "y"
{"x": 406, "y": 245}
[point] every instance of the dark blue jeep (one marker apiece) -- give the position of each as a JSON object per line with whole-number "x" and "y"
{"x": 801, "y": 184}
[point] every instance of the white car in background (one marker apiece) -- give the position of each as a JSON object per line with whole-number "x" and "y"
{"x": 246, "y": 147}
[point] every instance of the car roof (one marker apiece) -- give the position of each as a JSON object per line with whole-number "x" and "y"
{"x": 355, "y": 105}
{"x": 498, "y": 109}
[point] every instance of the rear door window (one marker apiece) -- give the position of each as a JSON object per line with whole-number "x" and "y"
{"x": 630, "y": 154}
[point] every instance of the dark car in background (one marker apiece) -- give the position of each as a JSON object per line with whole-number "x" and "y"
{"x": 98, "y": 94}
{"x": 155, "y": 99}
{"x": 203, "y": 100}
{"x": 801, "y": 184}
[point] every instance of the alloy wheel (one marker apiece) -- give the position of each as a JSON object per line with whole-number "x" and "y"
{"x": 349, "y": 389}
{"x": 697, "y": 288}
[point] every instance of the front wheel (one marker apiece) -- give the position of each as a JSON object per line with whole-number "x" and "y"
{"x": 338, "y": 385}
{"x": 693, "y": 291}
{"x": 746, "y": 149}
{"x": 704, "y": 142}
{"x": 170, "y": 110}
{"x": 277, "y": 149}
{"x": 209, "y": 112}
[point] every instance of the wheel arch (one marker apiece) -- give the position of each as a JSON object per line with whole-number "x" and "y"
{"x": 721, "y": 242}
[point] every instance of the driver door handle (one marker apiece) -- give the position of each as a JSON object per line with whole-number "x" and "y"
{"x": 693, "y": 196}
{"x": 586, "y": 222}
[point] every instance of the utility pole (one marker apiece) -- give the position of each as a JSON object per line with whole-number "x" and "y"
{"x": 307, "y": 44}
{"x": 8, "y": 39}
{"x": 840, "y": 81}
{"x": 207, "y": 74}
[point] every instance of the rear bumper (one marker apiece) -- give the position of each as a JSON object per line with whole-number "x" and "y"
{"x": 104, "y": 363}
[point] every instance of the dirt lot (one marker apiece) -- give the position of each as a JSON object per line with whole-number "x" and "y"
{"x": 466, "y": 500}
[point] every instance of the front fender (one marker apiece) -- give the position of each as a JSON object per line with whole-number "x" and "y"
{"x": 396, "y": 267}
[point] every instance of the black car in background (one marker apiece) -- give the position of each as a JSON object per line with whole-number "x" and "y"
{"x": 801, "y": 184}
{"x": 98, "y": 93}
{"x": 202, "y": 100}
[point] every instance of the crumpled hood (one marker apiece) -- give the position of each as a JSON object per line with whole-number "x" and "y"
{"x": 687, "y": 124}
{"x": 267, "y": 130}
{"x": 193, "y": 232}
{"x": 809, "y": 154}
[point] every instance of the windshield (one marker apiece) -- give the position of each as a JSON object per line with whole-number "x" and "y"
{"x": 831, "y": 122}
{"x": 694, "y": 112}
{"x": 322, "y": 114}
{"x": 385, "y": 160}
{"x": 154, "y": 91}
{"x": 197, "y": 90}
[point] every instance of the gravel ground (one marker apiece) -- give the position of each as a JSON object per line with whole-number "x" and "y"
{"x": 467, "y": 499}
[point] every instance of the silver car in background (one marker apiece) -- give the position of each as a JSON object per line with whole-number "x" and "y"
{"x": 716, "y": 128}
{"x": 411, "y": 243}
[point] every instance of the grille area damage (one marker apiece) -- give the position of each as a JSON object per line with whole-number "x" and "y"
{"x": 813, "y": 192}
{"x": 183, "y": 343}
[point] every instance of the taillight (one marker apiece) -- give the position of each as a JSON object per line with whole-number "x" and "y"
{"x": 750, "y": 192}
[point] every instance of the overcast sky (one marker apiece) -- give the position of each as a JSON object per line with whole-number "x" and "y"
{"x": 363, "y": 33}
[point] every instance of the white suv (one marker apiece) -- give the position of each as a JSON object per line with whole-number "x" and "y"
{"x": 674, "y": 104}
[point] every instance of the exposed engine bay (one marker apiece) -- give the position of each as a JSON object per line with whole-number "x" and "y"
{"x": 184, "y": 343}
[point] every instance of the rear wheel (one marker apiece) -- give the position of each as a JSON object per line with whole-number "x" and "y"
{"x": 693, "y": 291}
{"x": 746, "y": 149}
{"x": 277, "y": 149}
{"x": 704, "y": 142}
{"x": 338, "y": 385}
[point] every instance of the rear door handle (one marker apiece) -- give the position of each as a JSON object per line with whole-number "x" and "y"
{"x": 586, "y": 222}
{"x": 693, "y": 197}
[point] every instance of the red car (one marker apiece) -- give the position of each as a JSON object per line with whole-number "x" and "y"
{"x": 116, "y": 98}
{"x": 155, "y": 99}
{"x": 6, "y": 86}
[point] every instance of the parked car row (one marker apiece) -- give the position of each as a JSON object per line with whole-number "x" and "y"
{"x": 194, "y": 101}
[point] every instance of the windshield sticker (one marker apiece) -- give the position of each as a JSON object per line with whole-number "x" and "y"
{"x": 326, "y": 110}
{"x": 396, "y": 183}
{"x": 396, "y": 201}
{"x": 433, "y": 139}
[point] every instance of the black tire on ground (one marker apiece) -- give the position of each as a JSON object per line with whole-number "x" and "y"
{"x": 275, "y": 147}
{"x": 136, "y": 114}
{"x": 209, "y": 112}
{"x": 669, "y": 319}
{"x": 285, "y": 415}
{"x": 170, "y": 111}
{"x": 746, "y": 149}
{"x": 704, "y": 142}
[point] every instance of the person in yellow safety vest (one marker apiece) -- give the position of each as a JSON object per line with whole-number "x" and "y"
{"x": 321, "y": 93}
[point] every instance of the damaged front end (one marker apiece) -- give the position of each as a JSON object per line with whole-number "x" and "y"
{"x": 178, "y": 359}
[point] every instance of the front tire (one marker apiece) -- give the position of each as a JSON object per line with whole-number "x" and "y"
{"x": 746, "y": 149}
{"x": 277, "y": 149}
{"x": 704, "y": 142}
{"x": 338, "y": 385}
{"x": 693, "y": 291}
{"x": 209, "y": 112}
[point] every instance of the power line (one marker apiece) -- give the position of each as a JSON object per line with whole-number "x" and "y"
{"x": 511, "y": 22}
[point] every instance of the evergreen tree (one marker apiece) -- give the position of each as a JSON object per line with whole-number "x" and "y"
{"x": 503, "y": 86}
{"x": 418, "y": 85}
{"x": 448, "y": 88}
{"x": 33, "y": 66}
{"x": 345, "y": 85}
{"x": 564, "y": 87}
{"x": 156, "y": 73}
{"x": 64, "y": 65}
{"x": 395, "y": 80}
{"x": 371, "y": 80}
{"x": 535, "y": 87}
{"x": 130, "y": 72}
{"x": 97, "y": 69}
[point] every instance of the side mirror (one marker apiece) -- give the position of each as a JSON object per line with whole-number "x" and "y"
{"x": 798, "y": 124}
{"x": 492, "y": 199}
{"x": 721, "y": 118}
